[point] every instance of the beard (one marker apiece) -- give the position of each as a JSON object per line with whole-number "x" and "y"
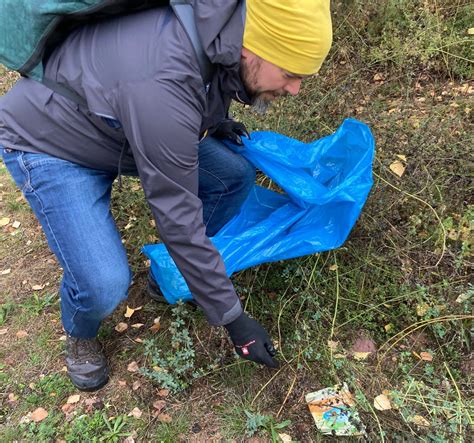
{"x": 260, "y": 100}
{"x": 260, "y": 105}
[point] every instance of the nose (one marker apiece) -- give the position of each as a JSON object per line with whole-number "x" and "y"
{"x": 293, "y": 86}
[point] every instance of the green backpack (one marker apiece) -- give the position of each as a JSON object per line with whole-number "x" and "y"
{"x": 31, "y": 29}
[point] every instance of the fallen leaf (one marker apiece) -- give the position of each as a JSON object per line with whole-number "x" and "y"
{"x": 339, "y": 356}
{"x": 25, "y": 419}
{"x": 137, "y": 325}
{"x": 37, "y": 287}
{"x": 6, "y": 271}
{"x": 388, "y": 327}
{"x": 3, "y": 331}
{"x": 397, "y": 168}
{"x": 67, "y": 408}
{"x": 73, "y": 399}
{"x": 426, "y": 356}
{"x": 159, "y": 405}
{"x": 361, "y": 355}
{"x": 156, "y": 325}
{"x": 163, "y": 392}
{"x": 90, "y": 401}
{"x": 136, "y": 385}
{"x": 402, "y": 157}
{"x": 138, "y": 340}
{"x": 132, "y": 367}
{"x": 285, "y": 438}
{"x": 4, "y": 221}
{"x": 93, "y": 403}
{"x": 121, "y": 327}
{"x": 333, "y": 345}
{"x": 122, "y": 383}
{"x": 62, "y": 338}
{"x": 39, "y": 415}
{"x": 463, "y": 297}
{"x": 22, "y": 334}
{"x": 362, "y": 348}
{"x": 419, "y": 420}
{"x": 382, "y": 403}
{"x": 333, "y": 267}
{"x": 422, "y": 309}
{"x": 130, "y": 311}
{"x": 165, "y": 418}
{"x": 378, "y": 77}
{"x": 16, "y": 224}
{"x": 12, "y": 397}
{"x": 135, "y": 412}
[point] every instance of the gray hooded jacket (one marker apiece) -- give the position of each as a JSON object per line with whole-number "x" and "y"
{"x": 141, "y": 69}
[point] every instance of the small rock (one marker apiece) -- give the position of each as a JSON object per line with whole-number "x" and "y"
{"x": 196, "y": 428}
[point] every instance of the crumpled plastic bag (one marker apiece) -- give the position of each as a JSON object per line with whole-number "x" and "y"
{"x": 326, "y": 183}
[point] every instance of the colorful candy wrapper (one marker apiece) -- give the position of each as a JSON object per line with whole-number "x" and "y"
{"x": 334, "y": 413}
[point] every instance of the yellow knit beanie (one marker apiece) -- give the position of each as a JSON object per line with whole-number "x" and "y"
{"x": 295, "y": 35}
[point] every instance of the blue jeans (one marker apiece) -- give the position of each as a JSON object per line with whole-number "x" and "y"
{"x": 72, "y": 203}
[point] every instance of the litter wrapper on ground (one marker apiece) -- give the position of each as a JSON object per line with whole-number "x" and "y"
{"x": 333, "y": 410}
{"x": 326, "y": 184}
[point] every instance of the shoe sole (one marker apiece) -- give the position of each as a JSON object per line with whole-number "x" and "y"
{"x": 94, "y": 388}
{"x": 87, "y": 388}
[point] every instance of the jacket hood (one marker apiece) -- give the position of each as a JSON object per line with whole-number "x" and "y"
{"x": 220, "y": 26}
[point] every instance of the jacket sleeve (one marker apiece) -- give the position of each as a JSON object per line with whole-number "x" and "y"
{"x": 161, "y": 120}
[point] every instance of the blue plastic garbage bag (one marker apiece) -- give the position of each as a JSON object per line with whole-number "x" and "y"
{"x": 326, "y": 184}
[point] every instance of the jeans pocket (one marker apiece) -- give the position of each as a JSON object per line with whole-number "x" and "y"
{"x": 33, "y": 159}
{"x": 14, "y": 162}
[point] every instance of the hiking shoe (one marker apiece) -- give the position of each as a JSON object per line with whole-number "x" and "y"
{"x": 155, "y": 293}
{"x": 86, "y": 363}
{"x": 154, "y": 290}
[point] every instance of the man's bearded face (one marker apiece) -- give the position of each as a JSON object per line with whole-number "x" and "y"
{"x": 264, "y": 82}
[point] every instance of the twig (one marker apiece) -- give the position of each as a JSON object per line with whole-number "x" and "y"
{"x": 382, "y": 439}
{"x": 415, "y": 326}
{"x": 267, "y": 383}
{"x": 460, "y": 401}
{"x": 443, "y": 229}
{"x": 337, "y": 300}
{"x": 287, "y": 395}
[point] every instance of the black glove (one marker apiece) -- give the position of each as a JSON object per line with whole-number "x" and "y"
{"x": 252, "y": 341}
{"x": 231, "y": 130}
